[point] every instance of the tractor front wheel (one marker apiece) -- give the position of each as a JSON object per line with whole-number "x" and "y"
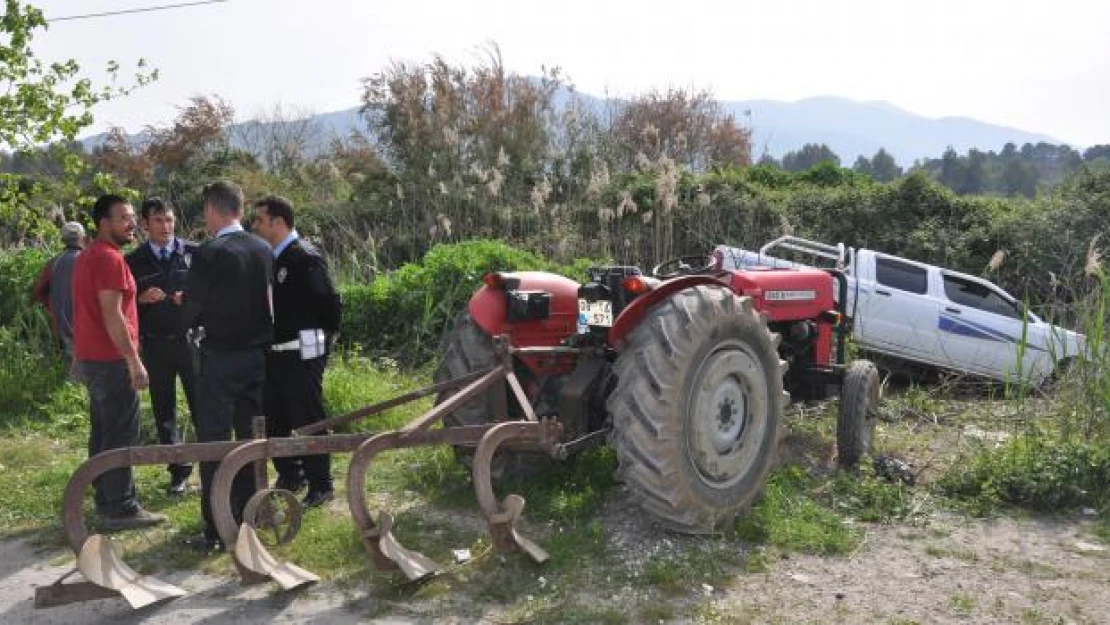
{"x": 698, "y": 408}
{"x": 859, "y": 412}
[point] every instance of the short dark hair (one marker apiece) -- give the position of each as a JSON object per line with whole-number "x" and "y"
{"x": 277, "y": 206}
{"x": 102, "y": 209}
{"x": 226, "y": 197}
{"x": 154, "y": 205}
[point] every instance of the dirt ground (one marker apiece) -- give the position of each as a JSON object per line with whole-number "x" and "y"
{"x": 954, "y": 570}
{"x": 945, "y": 569}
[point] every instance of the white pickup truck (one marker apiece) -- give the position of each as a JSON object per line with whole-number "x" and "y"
{"x": 925, "y": 314}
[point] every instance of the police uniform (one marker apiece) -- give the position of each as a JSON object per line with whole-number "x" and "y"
{"x": 166, "y": 352}
{"x": 307, "y": 310}
{"x": 228, "y": 294}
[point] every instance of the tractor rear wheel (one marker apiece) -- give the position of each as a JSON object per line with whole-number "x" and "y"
{"x": 698, "y": 408}
{"x": 859, "y": 412}
{"x": 466, "y": 349}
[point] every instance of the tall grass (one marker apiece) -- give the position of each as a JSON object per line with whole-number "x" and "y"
{"x": 1059, "y": 455}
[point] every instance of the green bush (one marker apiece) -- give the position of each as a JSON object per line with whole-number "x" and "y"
{"x": 27, "y": 377}
{"x": 404, "y": 314}
{"x": 31, "y": 367}
{"x": 1035, "y": 472}
{"x": 18, "y": 270}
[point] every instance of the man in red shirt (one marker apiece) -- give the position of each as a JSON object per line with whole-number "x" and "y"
{"x": 105, "y": 341}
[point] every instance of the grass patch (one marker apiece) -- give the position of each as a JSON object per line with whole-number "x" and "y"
{"x": 34, "y": 470}
{"x": 1034, "y": 471}
{"x": 1029, "y": 568}
{"x": 354, "y": 380}
{"x": 572, "y": 491}
{"x": 682, "y": 572}
{"x": 963, "y": 603}
{"x": 656, "y": 612}
{"x": 964, "y": 555}
{"x": 790, "y": 516}
{"x": 1102, "y": 530}
{"x": 872, "y": 499}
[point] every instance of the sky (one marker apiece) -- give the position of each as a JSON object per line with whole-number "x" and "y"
{"x": 1039, "y": 66}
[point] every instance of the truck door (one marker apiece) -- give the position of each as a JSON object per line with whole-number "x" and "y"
{"x": 896, "y": 313}
{"x": 983, "y": 330}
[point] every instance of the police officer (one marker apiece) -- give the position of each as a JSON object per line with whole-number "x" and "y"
{"x": 307, "y": 311}
{"x": 160, "y": 268}
{"x": 228, "y": 294}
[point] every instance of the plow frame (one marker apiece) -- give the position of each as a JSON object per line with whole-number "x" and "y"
{"x": 106, "y": 575}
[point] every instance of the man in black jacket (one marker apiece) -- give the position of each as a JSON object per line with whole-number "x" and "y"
{"x": 307, "y": 310}
{"x": 160, "y": 267}
{"x": 228, "y": 294}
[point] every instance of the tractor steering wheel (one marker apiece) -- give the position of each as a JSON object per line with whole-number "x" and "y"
{"x": 682, "y": 266}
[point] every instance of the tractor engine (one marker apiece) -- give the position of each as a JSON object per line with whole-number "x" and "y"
{"x": 801, "y": 308}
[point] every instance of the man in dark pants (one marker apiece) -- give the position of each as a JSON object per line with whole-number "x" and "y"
{"x": 307, "y": 310}
{"x": 160, "y": 268}
{"x": 106, "y": 345}
{"x": 228, "y": 293}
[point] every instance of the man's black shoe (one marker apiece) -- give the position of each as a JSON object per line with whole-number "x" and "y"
{"x": 317, "y": 497}
{"x": 179, "y": 485}
{"x": 132, "y": 519}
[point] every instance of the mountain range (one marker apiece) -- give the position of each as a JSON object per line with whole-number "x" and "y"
{"x": 850, "y": 128}
{"x": 853, "y": 128}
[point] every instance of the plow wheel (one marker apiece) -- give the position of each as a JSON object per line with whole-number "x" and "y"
{"x": 859, "y": 412}
{"x": 466, "y": 349}
{"x": 697, "y": 408}
{"x": 275, "y": 514}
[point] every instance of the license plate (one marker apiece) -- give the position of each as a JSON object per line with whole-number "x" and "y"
{"x": 599, "y": 313}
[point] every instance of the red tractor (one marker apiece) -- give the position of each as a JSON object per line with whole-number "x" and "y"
{"x": 686, "y": 372}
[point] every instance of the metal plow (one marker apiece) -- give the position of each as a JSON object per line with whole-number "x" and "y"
{"x": 275, "y": 514}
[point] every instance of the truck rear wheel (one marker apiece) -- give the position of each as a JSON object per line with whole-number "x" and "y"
{"x": 859, "y": 412}
{"x": 698, "y": 408}
{"x": 466, "y": 349}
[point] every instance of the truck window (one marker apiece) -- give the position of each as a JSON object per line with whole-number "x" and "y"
{"x": 901, "y": 276}
{"x": 976, "y": 295}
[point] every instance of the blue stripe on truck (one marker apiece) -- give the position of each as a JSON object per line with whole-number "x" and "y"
{"x": 962, "y": 327}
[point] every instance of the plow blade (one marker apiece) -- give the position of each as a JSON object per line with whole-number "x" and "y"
{"x": 98, "y": 560}
{"x": 253, "y": 561}
{"x": 414, "y": 565}
{"x": 386, "y": 552}
{"x": 250, "y": 554}
{"x": 100, "y": 563}
{"x": 514, "y": 507}
{"x": 108, "y": 576}
{"x": 502, "y": 522}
